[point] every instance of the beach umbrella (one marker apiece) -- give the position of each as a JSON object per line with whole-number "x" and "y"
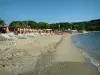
{"x": 7, "y": 30}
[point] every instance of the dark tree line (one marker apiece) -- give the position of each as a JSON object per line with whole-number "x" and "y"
{"x": 93, "y": 25}
{"x": 2, "y": 23}
{"x": 29, "y": 24}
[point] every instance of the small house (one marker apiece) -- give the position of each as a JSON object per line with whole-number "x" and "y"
{"x": 4, "y": 29}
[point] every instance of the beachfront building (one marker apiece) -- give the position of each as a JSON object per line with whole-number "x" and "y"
{"x": 74, "y": 31}
{"x": 18, "y": 30}
{"x": 4, "y": 29}
{"x": 48, "y": 30}
{"x": 84, "y": 31}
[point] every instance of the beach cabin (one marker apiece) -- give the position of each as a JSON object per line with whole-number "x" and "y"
{"x": 74, "y": 31}
{"x": 4, "y": 29}
{"x": 84, "y": 31}
{"x": 48, "y": 30}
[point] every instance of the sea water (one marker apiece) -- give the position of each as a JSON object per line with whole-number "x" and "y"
{"x": 89, "y": 44}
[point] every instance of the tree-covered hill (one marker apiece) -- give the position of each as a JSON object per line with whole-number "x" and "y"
{"x": 92, "y": 25}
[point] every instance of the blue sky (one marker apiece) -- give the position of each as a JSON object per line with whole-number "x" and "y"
{"x": 50, "y": 11}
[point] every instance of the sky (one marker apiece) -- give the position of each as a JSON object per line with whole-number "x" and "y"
{"x": 50, "y": 11}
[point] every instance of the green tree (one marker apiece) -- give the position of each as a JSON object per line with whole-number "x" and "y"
{"x": 32, "y": 24}
{"x": 17, "y": 24}
{"x": 84, "y": 25}
{"x": 43, "y": 25}
{"x": 23, "y": 24}
{"x": 54, "y": 26}
{"x": 2, "y": 22}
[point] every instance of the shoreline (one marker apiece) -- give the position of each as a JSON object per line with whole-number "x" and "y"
{"x": 55, "y": 56}
{"x": 58, "y": 63}
{"x": 88, "y": 59}
{"x": 66, "y": 61}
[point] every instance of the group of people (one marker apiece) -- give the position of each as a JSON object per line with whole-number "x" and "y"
{"x": 22, "y": 31}
{"x": 25, "y": 30}
{"x": 4, "y": 29}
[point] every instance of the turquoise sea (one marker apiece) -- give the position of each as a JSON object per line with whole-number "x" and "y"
{"x": 89, "y": 44}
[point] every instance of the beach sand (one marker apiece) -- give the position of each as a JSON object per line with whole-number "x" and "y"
{"x": 44, "y": 55}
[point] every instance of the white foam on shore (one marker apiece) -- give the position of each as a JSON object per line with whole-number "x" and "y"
{"x": 93, "y": 61}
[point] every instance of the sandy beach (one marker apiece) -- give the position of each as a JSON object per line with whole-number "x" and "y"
{"x": 21, "y": 55}
{"x": 44, "y": 55}
{"x": 66, "y": 60}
